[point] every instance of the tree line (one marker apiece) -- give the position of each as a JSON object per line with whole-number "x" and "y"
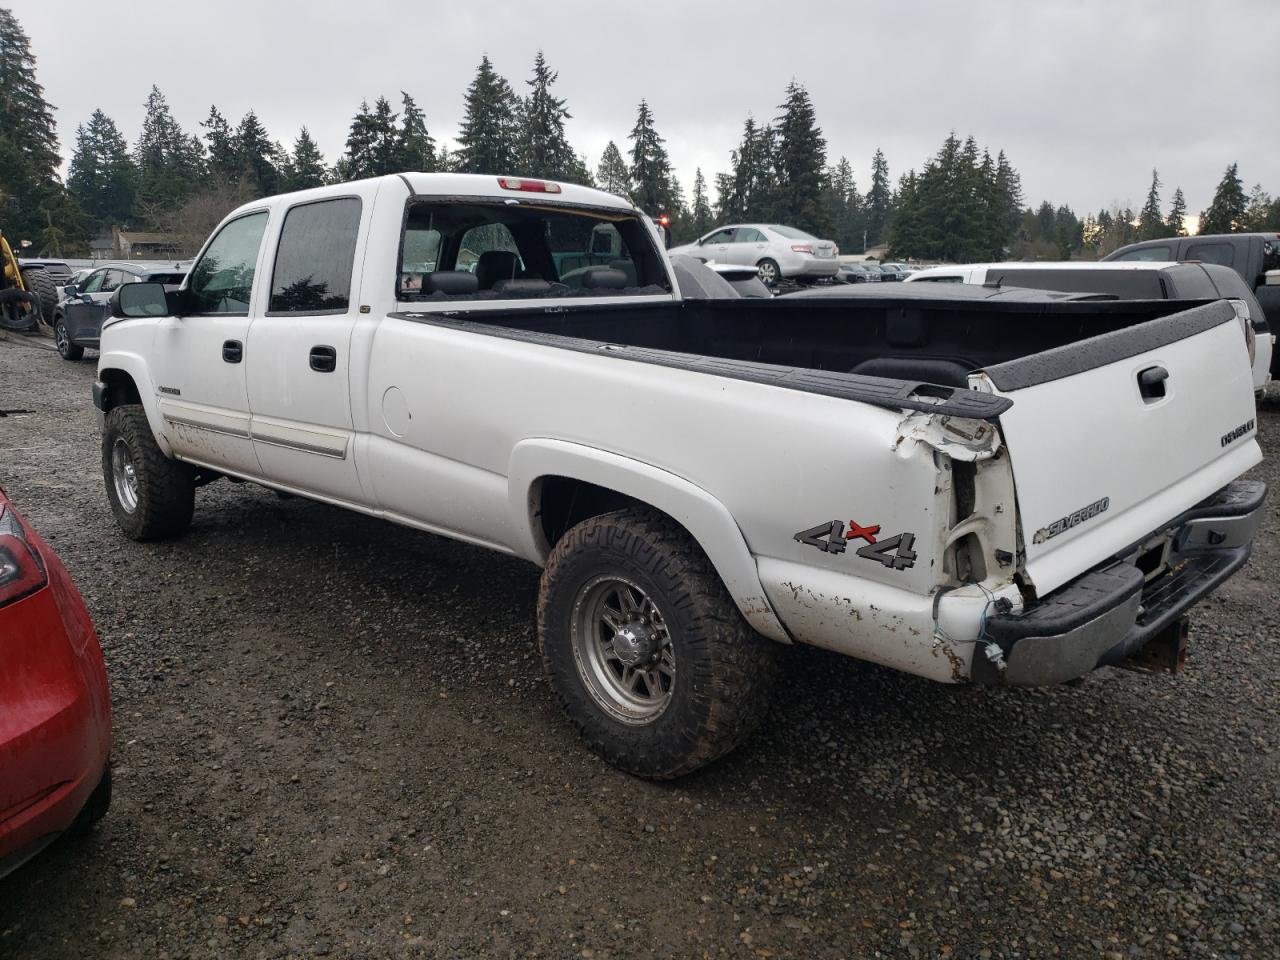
{"x": 962, "y": 204}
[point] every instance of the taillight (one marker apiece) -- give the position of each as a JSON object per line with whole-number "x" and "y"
{"x": 21, "y": 570}
{"x": 835, "y": 250}
{"x": 528, "y": 186}
{"x": 802, "y": 247}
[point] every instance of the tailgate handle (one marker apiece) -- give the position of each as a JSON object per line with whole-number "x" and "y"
{"x": 1151, "y": 383}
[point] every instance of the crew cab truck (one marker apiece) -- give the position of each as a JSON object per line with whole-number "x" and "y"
{"x": 1255, "y": 256}
{"x": 941, "y": 487}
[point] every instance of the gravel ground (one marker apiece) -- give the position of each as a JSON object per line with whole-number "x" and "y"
{"x": 332, "y": 738}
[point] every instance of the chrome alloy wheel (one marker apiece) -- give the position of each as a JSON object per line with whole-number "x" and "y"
{"x": 123, "y": 475}
{"x": 622, "y": 648}
{"x": 768, "y": 273}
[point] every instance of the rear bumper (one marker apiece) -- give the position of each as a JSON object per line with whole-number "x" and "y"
{"x": 801, "y": 265}
{"x": 1111, "y": 612}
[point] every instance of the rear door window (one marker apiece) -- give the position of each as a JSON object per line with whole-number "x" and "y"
{"x": 1160, "y": 254}
{"x": 1222, "y": 253}
{"x": 315, "y": 258}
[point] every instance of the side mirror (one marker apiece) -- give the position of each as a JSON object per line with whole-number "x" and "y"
{"x": 135, "y": 300}
{"x": 69, "y": 290}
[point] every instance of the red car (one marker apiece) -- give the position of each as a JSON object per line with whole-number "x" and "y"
{"x": 55, "y": 712}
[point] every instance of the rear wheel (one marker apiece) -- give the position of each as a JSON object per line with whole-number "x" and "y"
{"x": 40, "y": 285}
{"x": 151, "y": 496}
{"x": 645, "y": 649}
{"x": 66, "y": 349}
{"x": 769, "y": 272}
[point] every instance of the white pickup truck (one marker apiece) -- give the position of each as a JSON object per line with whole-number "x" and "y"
{"x": 941, "y": 487}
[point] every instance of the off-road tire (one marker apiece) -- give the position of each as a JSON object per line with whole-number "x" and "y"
{"x": 165, "y": 488}
{"x": 95, "y": 808}
{"x": 724, "y": 669}
{"x": 66, "y": 349}
{"x": 41, "y": 286}
{"x": 770, "y": 272}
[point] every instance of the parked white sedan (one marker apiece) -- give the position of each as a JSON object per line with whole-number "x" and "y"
{"x": 778, "y": 252}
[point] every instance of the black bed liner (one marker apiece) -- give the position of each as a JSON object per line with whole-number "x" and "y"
{"x": 1018, "y": 344}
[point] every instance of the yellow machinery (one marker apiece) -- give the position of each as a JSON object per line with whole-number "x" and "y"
{"x": 19, "y": 306}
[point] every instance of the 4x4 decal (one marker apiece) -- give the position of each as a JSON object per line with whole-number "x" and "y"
{"x": 895, "y": 552}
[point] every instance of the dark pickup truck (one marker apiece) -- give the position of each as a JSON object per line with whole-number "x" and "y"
{"x": 1252, "y": 255}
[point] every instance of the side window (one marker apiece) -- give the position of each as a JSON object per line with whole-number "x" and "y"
{"x": 490, "y": 248}
{"x": 315, "y": 258}
{"x": 1222, "y": 253}
{"x": 111, "y": 279}
{"x": 721, "y": 236}
{"x": 93, "y": 283}
{"x": 1160, "y": 254}
{"x": 223, "y": 279}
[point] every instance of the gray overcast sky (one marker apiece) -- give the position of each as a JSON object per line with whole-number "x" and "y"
{"x": 1084, "y": 96}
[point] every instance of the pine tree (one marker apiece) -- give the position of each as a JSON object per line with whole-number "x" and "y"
{"x": 611, "y": 174}
{"x": 1258, "y": 214}
{"x": 544, "y": 149}
{"x": 487, "y": 137}
{"x": 224, "y": 155}
{"x": 1150, "y": 219}
{"x": 305, "y": 167}
{"x": 650, "y": 170}
{"x": 844, "y": 205}
{"x": 30, "y": 189}
{"x": 752, "y": 188}
{"x": 879, "y": 199}
{"x": 101, "y": 176}
{"x": 170, "y": 163}
{"x": 1227, "y": 211}
{"x": 1175, "y": 224}
{"x": 700, "y": 213}
{"x": 257, "y": 156}
{"x": 1007, "y": 195}
{"x": 800, "y": 161}
{"x": 415, "y": 149}
{"x": 373, "y": 143}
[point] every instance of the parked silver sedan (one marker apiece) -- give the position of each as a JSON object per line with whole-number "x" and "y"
{"x": 778, "y": 252}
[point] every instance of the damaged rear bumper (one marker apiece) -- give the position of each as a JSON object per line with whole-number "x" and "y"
{"x": 1113, "y": 611}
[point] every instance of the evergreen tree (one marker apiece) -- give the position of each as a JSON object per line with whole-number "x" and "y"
{"x": 1260, "y": 213}
{"x": 31, "y": 193}
{"x": 305, "y": 167}
{"x": 257, "y": 156}
{"x": 1150, "y": 219}
{"x": 487, "y": 138}
{"x": 844, "y": 206}
{"x": 700, "y": 213}
{"x": 752, "y": 187}
{"x": 1068, "y": 232}
{"x": 650, "y": 170}
{"x": 101, "y": 176}
{"x": 372, "y": 143}
{"x": 1226, "y": 212}
{"x": 1175, "y": 224}
{"x": 1007, "y": 195}
{"x": 800, "y": 162}
{"x": 544, "y": 149}
{"x": 415, "y": 149}
{"x": 170, "y": 163}
{"x": 879, "y": 199}
{"x": 611, "y": 174}
{"x": 224, "y": 155}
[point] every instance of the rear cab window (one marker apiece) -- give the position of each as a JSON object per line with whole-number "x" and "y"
{"x": 1223, "y": 253}
{"x": 496, "y": 250}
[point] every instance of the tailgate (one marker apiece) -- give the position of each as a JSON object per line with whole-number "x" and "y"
{"x": 1111, "y": 437}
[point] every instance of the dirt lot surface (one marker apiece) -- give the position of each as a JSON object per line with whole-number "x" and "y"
{"x": 332, "y": 738}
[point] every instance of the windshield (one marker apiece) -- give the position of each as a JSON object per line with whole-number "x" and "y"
{"x": 791, "y": 233}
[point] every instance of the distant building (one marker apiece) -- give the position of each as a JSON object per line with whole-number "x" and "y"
{"x": 128, "y": 245}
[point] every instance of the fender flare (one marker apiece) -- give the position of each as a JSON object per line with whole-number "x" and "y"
{"x": 708, "y": 521}
{"x": 136, "y": 368}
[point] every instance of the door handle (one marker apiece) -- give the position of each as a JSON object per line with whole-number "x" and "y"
{"x": 324, "y": 359}
{"x": 1151, "y": 383}
{"x": 232, "y": 351}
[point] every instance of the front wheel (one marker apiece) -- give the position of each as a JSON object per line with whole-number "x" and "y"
{"x": 66, "y": 349}
{"x": 151, "y": 496}
{"x": 769, "y": 272}
{"x": 645, "y": 649}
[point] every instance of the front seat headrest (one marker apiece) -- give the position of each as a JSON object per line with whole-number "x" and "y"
{"x": 495, "y": 265}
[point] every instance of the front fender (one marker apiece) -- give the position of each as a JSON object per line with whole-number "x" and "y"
{"x": 135, "y": 367}
{"x": 708, "y": 521}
